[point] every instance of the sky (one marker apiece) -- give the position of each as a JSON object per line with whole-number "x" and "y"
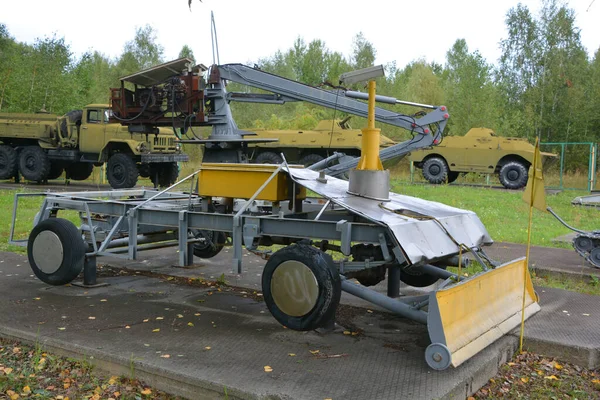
{"x": 249, "y": 30}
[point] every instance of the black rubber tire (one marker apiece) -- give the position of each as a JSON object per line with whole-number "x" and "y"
{"x": 310, "y": 159}
{"x": 75, "y": 117}
{"x": 418, "y": 280}
{"x": 328, "y": 280}
{"x": 80, "y": 171}
{"x": 211, "y": 246}
{"x": 34, "y": 164}
{"x": 56, "y": 170}
{"x": 452, "y": 176}
{"x": 121, "y": 171}
{"x": 144, "y": 170}
{"x": 435, "y": 170}
{"x": 8, "y": 162}
{"x": 513, "y": 175}
{"x": 73, "y": 251}
{"x": 167, "y": 174}
{"x": 268, "y": 157}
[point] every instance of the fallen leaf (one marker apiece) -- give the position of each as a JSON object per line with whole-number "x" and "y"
{"x": 113, "y": 380}
{"x": 596, "y": 381}
{"x": 146, "y": 391}
{"x": 103, "y": 300}
{"x": 558, "y": 366}
{"x": 37, "y": 298}
{"x": 470, "y": 398}
{"x": 146, "y": 320}
{"x": 197, "y": 314}
{"x": 268, "y": 369}
{"x": 127, "y": 327}
{"x": 62, "y": 328}
{"x": 179, "y": 316}
{"x": 91, "y": 317}
{"x": 370, "y": 311}
{"x": 16, "y": 350}
{"x": 191, "y": 324}
{"x": 13, "y": 395}
{"x": 314, "y": 351}
{"x": 354, "y": 333}
{"x": 156, "y": 330}
{"x": 159, "y": 318}
{"x": 551, "y": 377}
{"x": 66, "y": 385}
{"x": 525, "y": 379}
{"x": 165, "y": 356}
{"x": 292, "y": 354}
{"x": 207, "y": 348}
{"x": 26, "y": 390}
{"x": 347, "y": 332}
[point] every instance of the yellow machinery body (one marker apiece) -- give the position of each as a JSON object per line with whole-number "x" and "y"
{"x": 243, "y": 180}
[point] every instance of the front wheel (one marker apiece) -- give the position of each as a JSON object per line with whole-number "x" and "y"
{"x": 301, "y": 287}
{"x": 164, "y": 174}
{"x": 435, "y": 170}
{"x": 513, "y": 175}
{"x": 121, "y": 171}
{"x": 56, "y": 251}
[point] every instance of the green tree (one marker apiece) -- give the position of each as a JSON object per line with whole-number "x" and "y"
{"x": 363, "y": 52}
{"x": 186, "y": 51}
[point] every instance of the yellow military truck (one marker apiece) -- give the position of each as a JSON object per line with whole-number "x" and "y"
{"x": 479, "y": 150}
{"x": 41, "y": 146}
{"x": 309, "y": 146}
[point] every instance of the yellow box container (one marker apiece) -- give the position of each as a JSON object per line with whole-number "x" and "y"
{"x": 241, "y": 181}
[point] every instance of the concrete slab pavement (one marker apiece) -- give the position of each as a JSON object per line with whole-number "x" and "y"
{"x": 106, "y": 325}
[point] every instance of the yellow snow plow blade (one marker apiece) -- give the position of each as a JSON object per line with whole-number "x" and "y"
{"x": 467, "y": 317}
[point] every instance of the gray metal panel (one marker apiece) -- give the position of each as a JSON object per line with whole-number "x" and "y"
{"x": 421, "y": 240}
{"x": 158, "y": 73}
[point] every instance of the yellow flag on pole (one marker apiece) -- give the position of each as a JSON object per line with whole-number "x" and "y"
{"x": 534, "y": 194}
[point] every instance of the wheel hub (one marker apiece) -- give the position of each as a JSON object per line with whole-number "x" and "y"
{"x": 512, "y": 175}
{"x": 47, "y": 252}
{"x": 294, "y": 288}
{"x": 583, "y": 243}
{"x": 595, "y": 257}
{"x": 434, "y": 170}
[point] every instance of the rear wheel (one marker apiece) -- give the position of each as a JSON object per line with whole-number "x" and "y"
{"x": 211, "y": 245}
{"x": 513, "y": 175}
{"x": 34, "y": 163}
{"x": 80, "y": 171}
{"x": 164, "y": 174}
{"x": 435, "y": 170}
{"x": 310, "y": 159}
{"x": 452, "y": 176}
{"x": 56, "y": 170}
{"x": 8, "y": 162}
{"x": 301, "y": 287}
{"x": 268, "y": 157}
{"x": 121, "y": 171}
{"x": 56, "y": 251}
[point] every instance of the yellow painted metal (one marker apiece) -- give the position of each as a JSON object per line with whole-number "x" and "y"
{"x": 243, "y": 180}
{"x": 369, "y": 158}
{"x": 476, "y": 312}
{"x": 294, "y": 288}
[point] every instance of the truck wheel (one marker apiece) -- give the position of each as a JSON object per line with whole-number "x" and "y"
{"x": 56, "y": 251}
{"x": 452, "y": 176}
{"x": 212, "y": 244}
{"x": 418, "y": 279}
{"x": 301, "y": 287}
{"x": 121, "y": 171}
{"x": 56, "y": 170}
{"x": 435, "y": 170}
{"x": 166, "y": 173}
{"x": 268, "y": 157}
{"x": 310, "y": 159}
{"x": 513, "y": 175}
{"x": 80, "y": 171}
{"x": 8, "y": 162}
{"x": 34, "y": 163}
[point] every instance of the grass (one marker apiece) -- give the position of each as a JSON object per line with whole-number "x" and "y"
{"x": 30, "y": 372}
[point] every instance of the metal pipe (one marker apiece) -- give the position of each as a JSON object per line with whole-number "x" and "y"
{"x": 142, "y": 239}
{"x": 384, "y": 301}
{"x": 439, "y": 272}
{"x": 385, "y": 99}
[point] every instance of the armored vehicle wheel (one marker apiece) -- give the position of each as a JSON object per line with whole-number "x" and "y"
{"x": 513, "y": 175}
{"x": 416, "y": 278}
{"x": 583, "y": 244}
{"x": 56, "y": 170}
{"x": 301, "y": 287}
{"x": 268, "y": 158}
{"x": 8, "y": 162}
{"x": 212, "y": 244}
{"x": 452, "y": 176}
{"x": 80, "y": 171}
{"x": 164, "y": 174}
{"x": 310, "y": 159}
{"x": 121, "y": 171}
{"x": 435, "y": 170}
{"x": 56, "y": 251}
{"x": 34, "y": 163}
{"x": 595, "y": 257}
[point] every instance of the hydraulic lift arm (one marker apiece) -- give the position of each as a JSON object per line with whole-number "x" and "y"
{"x": 426, "y": 128}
